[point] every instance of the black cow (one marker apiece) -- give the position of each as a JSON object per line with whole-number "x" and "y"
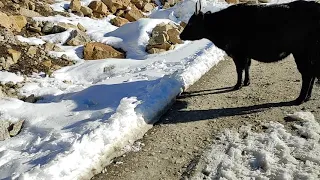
{"x": 266, "y": 33}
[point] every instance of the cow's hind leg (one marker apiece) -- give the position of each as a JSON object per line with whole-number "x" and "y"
{"x": 305, "y": 67}
{"x": 240, "y": 66}
{"x": 247, "y": 73}
{"x": 305, "y": 89}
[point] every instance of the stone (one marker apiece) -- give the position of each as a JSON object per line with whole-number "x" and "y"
{"x": 29, "y": 13}
{"x": 99, "y": 7}
{"x": 166, "y": 46}
{"x": 5, "y": 21}
{"x": 1, "y": 4}
{"x": 19, "y": 22}
{"x": 81, "y": 28}
{"x": 93, "y": 51}
{"x": 47, "y": 28}
{"x": 31, "y": 99}
{"x": 232, "y": 1}
{"x": 119, "y": 21}
{"x": 32, "y": 51}
{"x": 133, "y": 14}
{"x": 15, "y": 55}
{"x": 78, "y": 38}
{"x": 264, "y": 1}
{"x": 155, "y": 50}
{"x": 16, "y": 128}
{"x": 47, "y": 63}
{"x": 148, "y": 7}
{"x": 35, "y": 29}
{"x": 75, "y": 5}
{"x": 48, "y": 46}
{"x": 86, "y": 11}
{"x": 4, "y": 132}
{"x": 174, "y": 36}
{"x": 115, "y": 5}
{"x": 158, "y": 39}
{"x": 31, "y": 6}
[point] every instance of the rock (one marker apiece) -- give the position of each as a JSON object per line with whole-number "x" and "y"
{"x": 4, "y": 132}
{"x": 183, "y": 24}
{"x": 5, "y": 21}
{"x": 47, "y": 63}
{"x": 32, "y": 51}
{"x": 16, "y": 128}
{"x": 160, "y": 28}
{"x": 155, "y": 50}
{"x": 31, "y": 6}
{"x": 264, "y": 1}
{"x": 1, "y": 4}
{"x": 19, "y": 22}
{"x": 148, "y": 7}
{"x": 174, "y": 36}
{"x": 75, "y": 5}
{"x": 78, "y": 38}
{"x": 48, "y": 46}
{"x": 86, "y": 11}
{"x": 93, "y": 51}
{"x": 15, "y": 55}
{"x": 232, "y": 1}
{"x": 158, "y": 39}
{"x": 166, "y": 46}
{"x": 119, "y": 21}
{"x": 35, "y": 29}
{"x": 61, "y": 27}
{"x": 99, "y": 7}
{"x": 115, "y": 5}
{"x": 31, "y": 99}
{"x": 133, "y": 14}
{"x": 81, "y": 28}
{"x": 29, "y": 13}
{"x": 47, "y": 28}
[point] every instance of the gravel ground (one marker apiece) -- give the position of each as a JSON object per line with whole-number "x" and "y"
{"x": 173, "y": 147}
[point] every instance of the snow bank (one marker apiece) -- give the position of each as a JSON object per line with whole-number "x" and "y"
{"x": 274, "y": 154}
{"x": 9, "y": 77}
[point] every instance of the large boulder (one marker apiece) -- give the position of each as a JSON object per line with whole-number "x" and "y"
{"x": 164, "y": 37}
{"x": 115, "y": 5}
{"x": 99, "y": 8}
{"x": 95, "y": 50}
{"x": 119, "y": 21}
{"x": 75, "y": 5}
{"x": 133, "y": 14}
{"x": 77, "y": 38}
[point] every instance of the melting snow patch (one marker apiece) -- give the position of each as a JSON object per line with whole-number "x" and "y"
{"x": 274, "y": 154}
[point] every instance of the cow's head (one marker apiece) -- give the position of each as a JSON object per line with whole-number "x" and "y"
{"x": 195, "y": 28}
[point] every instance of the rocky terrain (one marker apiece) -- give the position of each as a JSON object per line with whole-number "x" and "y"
{"x": 23, "y": 58}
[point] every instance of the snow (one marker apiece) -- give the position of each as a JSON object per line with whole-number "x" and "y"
{"x": 6, "y": 77}
{"x": 273, "y": 154}
{"x": 92, "y": 111}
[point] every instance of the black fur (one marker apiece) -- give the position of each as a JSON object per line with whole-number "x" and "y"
{"x": 266, "y": 33}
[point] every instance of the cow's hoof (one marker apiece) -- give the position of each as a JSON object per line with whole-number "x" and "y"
{"x": 298, "y": 102}
{"x": 307, "y": 99}
{"x": 237, "y": 87}
{"x": 246, "y": 83}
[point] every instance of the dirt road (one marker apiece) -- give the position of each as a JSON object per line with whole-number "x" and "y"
{"x": 171, "y": 149}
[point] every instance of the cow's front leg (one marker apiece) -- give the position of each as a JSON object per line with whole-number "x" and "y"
{"x": 240, "y": 66}
{"x": 247, "y": 74}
